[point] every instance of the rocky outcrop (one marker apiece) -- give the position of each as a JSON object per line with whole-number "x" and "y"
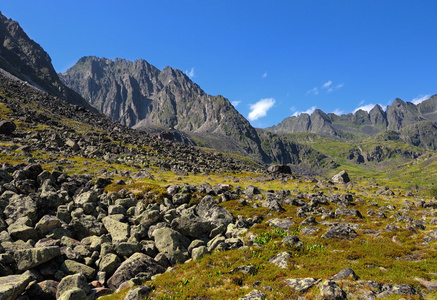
{"x": 25, "y": 59}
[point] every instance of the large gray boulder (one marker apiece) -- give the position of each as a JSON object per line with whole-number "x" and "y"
{"x": 119, "y": 231}
{"x": 72, "y": 267}
{"x": 209, "y": 210}
{"x": 341, "y": 178}
{"x": 71, "y": 282}
{"x": 20, "y": 206}
{"x": 341, "y": 231}
{"x": 13, "y": 285}
{"x": 30, "y": 258}
{"x": 192, "y": 226}
{"x": 173, "y": 244}
{"x": 137, "y": 263}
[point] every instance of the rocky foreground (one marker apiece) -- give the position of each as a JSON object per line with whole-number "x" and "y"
{"x": 65, "y": 237}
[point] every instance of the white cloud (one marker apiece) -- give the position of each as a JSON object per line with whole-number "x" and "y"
{"x": 264, "y": 75}
{"x": 235, "y": 103}
{"x": 361, "y": 102}
{"x": 327, "y": 84}
{"x": 308, "y": 111}
{"x": 190, "y": 73}
{"x": 260, "y": 108}
{"x": 314, "y": 91}
{"x": 420, "y": 99}
{"x": 338, "y": 112}
{"x": 367, "y": 107}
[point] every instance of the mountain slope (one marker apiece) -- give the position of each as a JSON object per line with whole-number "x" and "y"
{"x": 27, "y": 60}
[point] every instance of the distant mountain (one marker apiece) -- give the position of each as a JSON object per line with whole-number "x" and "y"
{"x": 360, "y": 124}
{"x": 25, "y": 59}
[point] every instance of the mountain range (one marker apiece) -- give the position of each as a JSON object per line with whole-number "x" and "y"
{"x": 139, "y": 95}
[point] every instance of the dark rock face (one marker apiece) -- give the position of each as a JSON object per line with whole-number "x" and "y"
{"x": 25, "y": 59}
{"x": 7, "y": 127}
{"x": 138, "y": 94}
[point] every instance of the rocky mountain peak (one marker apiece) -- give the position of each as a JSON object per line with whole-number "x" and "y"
{"x": 27, "y": 60}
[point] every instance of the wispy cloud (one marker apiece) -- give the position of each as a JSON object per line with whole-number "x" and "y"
{"x": 338, "y": 86}
{"x": 420, "y": 99}
{"x": 260, "y": 109}
{"x": 235, "y": 103}
{"x": 327, "y": 86}
{"x": 313, "y": 91}
{"x": 190, "y": 73}
{"x": 308, "y": 111}
{"x": 264, "y": 75}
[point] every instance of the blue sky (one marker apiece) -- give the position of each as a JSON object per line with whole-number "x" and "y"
{"x": 271, "y": 59}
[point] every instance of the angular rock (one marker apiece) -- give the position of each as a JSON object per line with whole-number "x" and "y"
{"x": 44, "y": 290}
{"x": 71, "y": 282}
{"x": 74, "y": 294}
{"x": 341, "y": 178}
{"x": 301, "y": 284}
{"x": 137, "y": 263}
{"x": 173, "y": 244}
{"x": 254, "y": 295}
{"x": 199, "y": 252}
{"x": 340, "y": 231}
{"x": 331, "y": 290}
{"x": 46, "y": 224}
{"x": 138, "y": 293}
{"x": 19, "y": 231}
{"x": 30, "y": 258}
{"x": 13, "y": 285}
{"x": 345, "y": 274}
{"x": 71, "y": 267}
{"x": 347, "y": 213}
{"x": 119, "y": 231}
{"x": 193, "y": 226}
{"x": 109, "y": 263}
{"x": 281, "y": 259}
{"x": 282, "y": 224}
{"x": 210, "y": 211}
{"x": 21, "y": 207}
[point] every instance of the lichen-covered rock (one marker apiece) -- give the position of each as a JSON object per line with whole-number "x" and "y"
{"x": 119, "y": 231}
{"x": 137, "y": 263}
{"x": 73, "y": 294}
{"x": 191, "y": 226}
{"x": 341, "y": 231}
{"x": 73, "y": 267}
{"x": 173, "y": 244}
{"x": 199, "y": 252}
{"x": 209, "y": 210}
{"x": 254, "y": 295}
{"x": 109, "y": 263}
{"x": 330, "y": 290}
{"x": 341, "y": 178}
{"x": 301, "y": 284}
{"x": 13, "y": 285}
{"x": 30, "y": 258}
{"x": 282, "y": 260}
{"x": 345, "y": 274}
{"x": 282, "y": 224}
{"x": 138, "y": 293}
{"x": 20, "y": 206}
